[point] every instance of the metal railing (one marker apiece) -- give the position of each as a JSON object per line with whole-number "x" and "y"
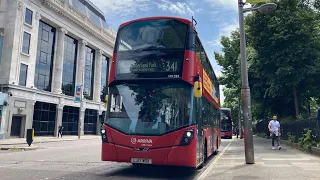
{"x": 295, "y": 128}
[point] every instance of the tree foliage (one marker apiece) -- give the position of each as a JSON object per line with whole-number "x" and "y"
{"x": 283, "y": 55}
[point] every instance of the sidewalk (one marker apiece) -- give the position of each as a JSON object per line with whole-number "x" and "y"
{"x": 20, "y": 143}
{"x": 286, "y": 164}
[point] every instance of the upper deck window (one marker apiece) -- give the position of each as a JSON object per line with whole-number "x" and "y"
{"x": 152, "y": 34}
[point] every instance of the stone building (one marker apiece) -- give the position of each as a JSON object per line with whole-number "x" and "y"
{"x": 47, "y": 49}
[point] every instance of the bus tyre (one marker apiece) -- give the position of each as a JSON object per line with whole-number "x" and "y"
{"x": 205, "y": 152}
{"x": 216, "y": 151}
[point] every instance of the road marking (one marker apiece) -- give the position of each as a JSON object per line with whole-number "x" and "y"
{"x": 285, "y": 159}
{"x": 209, "y": 169}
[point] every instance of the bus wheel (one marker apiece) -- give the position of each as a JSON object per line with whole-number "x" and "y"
{"x": 205, "y": 151}
{"x": 216, "y": 151}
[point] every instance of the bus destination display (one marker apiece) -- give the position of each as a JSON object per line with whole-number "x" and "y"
{"x": 155, "y": 66}
{"x": 146, "y": 68}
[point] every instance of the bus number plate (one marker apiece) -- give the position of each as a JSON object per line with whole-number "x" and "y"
{"x": 141, "y": 160}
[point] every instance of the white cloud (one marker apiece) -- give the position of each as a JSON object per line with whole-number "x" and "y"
{"x": 227, "y": 4}
{"x": 221, "y": 95}
{"x": 122, "y": 7}
{"x": 215, "y": 42}
{"x": 225, "y": 30}
{"x": 199, "y": 10}
{"x": 181, "y": 8}
{"x": 228, "y": 28}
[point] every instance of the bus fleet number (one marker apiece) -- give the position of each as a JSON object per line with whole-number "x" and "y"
{"x": 173, "y": 76}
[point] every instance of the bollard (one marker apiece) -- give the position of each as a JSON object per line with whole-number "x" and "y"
{"x": 30, "y": 136}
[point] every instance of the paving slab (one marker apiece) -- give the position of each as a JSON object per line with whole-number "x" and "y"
{"x": 284, "y": 164}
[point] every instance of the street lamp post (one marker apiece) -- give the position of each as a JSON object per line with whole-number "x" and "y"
{"x": 245, "y": 89}
{"x": 80, "y": 117}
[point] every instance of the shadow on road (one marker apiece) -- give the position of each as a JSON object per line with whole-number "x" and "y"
{"x": 157, "y": 172}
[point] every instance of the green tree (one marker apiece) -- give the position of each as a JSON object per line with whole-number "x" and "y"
{"x": 287, "y": 63}
{"x": 230, "y": 60}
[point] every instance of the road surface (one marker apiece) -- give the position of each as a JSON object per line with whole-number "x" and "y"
{"x": 80, "y": 160}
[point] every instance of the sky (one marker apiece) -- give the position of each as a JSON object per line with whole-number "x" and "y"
{"x": 215, "y": 18}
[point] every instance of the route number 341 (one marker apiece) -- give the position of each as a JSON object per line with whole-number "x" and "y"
{"x": 172, "y": 66}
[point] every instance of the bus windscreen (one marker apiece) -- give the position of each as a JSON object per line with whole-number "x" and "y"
{"x": 149, "y": 108}
{"x": 152, "y": 34}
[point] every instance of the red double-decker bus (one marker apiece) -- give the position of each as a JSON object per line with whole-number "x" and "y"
{"x": 163, "y": 103}
{"x": 226, "y": 123}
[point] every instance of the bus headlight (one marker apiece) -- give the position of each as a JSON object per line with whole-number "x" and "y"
{"x": 104, "y": 135}
{"x": 187, "y": 137}
{"x": 188, "y": 134}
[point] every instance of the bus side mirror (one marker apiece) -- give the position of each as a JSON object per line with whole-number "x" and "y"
{"x": 197, "y": 89}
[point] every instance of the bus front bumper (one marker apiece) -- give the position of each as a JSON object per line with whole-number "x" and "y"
{"x": 172, "y": 156}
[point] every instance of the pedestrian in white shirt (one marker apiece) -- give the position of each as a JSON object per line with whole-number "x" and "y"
{"x": 274, "y": 128}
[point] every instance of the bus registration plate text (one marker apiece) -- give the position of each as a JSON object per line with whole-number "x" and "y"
{"x": 141, "y": 160}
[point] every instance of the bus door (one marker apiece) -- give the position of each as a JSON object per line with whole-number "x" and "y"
{"x": 199, "y": 120}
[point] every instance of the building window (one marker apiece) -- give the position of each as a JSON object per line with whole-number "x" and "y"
{"x": 26, "y": 43}
{"x": 28, "y": 16}
{"x": 44, "y": 117}
{"x": 104, "y": 77}
{"x": 94, "y": 17}
{"x": 88, "y": 73}
{"x": 69, "y": 65}
{"x": 70, "y": 120}
{"x": 79, "y": 6}
{"x": 90, "y": 121}
{"x": 45, "y": 52}
{"x": 23, "y": 75}
{"x": 1, "y": 44}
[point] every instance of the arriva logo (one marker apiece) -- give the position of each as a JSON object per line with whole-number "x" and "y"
{"x": 135, "y": 140}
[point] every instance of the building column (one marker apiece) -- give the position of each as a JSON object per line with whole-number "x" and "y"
{"x": 59, "y": 114}
{"x": 80, "y": 64}
{"x": 11, "y": 42}
{"x": 81, "y": 119}
{"x": 97, "y": 77}
{"x": 33, "y": 51}
{"x": 58, "y": 64}
{"x": 80, "y": 81}
{"x": 28, "y": 118}
{"x": 99, "y": 122}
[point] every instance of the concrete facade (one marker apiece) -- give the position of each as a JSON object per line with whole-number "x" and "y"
{"x": 67, "y": 21}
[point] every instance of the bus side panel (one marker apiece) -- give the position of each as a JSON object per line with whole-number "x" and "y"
{"x": 183, "y": 155}
{"x": 108, "y": 152}
{"x": 112, "y": 68}
{"x": 189, "y": 66}
{"x": 217, "y": 138}
{"x": 208, "y": 138}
